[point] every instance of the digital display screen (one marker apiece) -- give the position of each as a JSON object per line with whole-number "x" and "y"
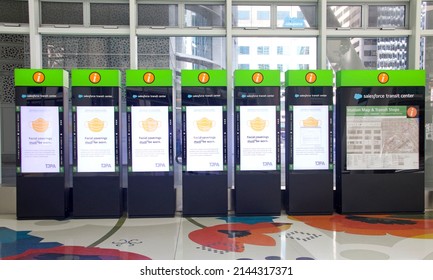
{"x": 150, "y": 138}
{"x": 258, "y": 138}
{"x": 39, "y": 139}
{"x": 382, "y": 137}
{"x": 95, "y": 139}
{"x": 204, "y": 137}
{"x": 311, "y": 137}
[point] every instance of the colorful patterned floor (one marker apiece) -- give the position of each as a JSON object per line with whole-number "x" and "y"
{"x": 360, "y": 237}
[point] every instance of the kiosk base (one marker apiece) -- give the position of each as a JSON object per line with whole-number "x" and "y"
{"x": 97, "y": 197}
{"x": 309, "y": 194}
{"x": 205, "y": 195}
{"x": 151, "y": 196}
{"x": 41, "y": 197}
{"x": 258, "y": 194}
{"x": 381, "y": 193}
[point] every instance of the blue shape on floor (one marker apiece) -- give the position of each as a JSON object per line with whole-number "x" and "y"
{"x": 16, "y": 242}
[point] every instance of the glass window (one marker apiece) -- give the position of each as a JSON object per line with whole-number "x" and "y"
{"x": 244, "y": 50}
{"x": 274, "y": 60}
{"x": 386, "y": 16}
{"x": 371, "y": 53}
{"x": 427, "y": 64}
{"x": 67, "y": 52}
{"x": 344, "y": 16}
{"x": 427, "y": 15}
{"x": 205, "y": 15}
{"x": 280, "y": 50}
{"x": 12, "y": 11}
{"x": 14, "y": 53}
{"x": 244, "y": 15}
{"x": 263, "y": 50}
{"x": 62, "y": 13}
{"x": 109, "y": 14}
{"x": 263, "y": 15}
{"x": 303, "y": 50}
{"x": 303, "y": 66}
{"x": 297, "y": 16}
{"x": 157, "y": 15}
{"x": 258, "y": 16}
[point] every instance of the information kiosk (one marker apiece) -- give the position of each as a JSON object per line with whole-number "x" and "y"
{"x": 41, "y": 98}
{"x": 95, "y": 124}
{"x": 309, "y": 142}
{"x": 257, "y": 142}
{"x": 149, "y": 101}
{"x": 204, "y": 142}
{"x": 380, "y": 141}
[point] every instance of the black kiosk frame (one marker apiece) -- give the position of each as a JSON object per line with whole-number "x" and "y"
{"x": 309, "y": 142}
{"x": 257, "y": 155}
{"x": 97, "y": 191}
{"x": 42, "y": 144}
{"x": 204, "y": 143}
{"x": 380, "y": 141}
{"x": 149, "y": 101}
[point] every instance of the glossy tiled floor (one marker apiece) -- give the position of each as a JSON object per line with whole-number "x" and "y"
{"x": 266, "y": 237}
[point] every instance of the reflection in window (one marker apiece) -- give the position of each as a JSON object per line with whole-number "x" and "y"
{"x": 263, "y": 50}
{"x": 205, "y": 15}
{"x": 263, "y": 66}
{"x": 244, "y": 66}
{"x": 251, "y": 16}
{"x": 279, "y": 53}
{"x": 157, "y": 15}
{"x": 199, "y": 53}
{"x": 263, "y": 15}
{"x": 303, "y": 50}
{"x": 367, "y": 53}
{"x": 427, "y": 15}
{"x": 12, "y": 11}
{"x": 244, "y": 50}
{"x": 303, "y": 66}
{"x": 386, "y": 16}
{"x": 344, "y": 16}
{"x": 297, "y": 16}
{"x": 280, "y": 50}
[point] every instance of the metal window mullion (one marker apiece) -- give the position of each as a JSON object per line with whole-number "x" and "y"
{"x": 181, "y": 15}
{"x": 230, "y": 88}
{"x": 273, "y": 16}
{"x": 34, "y": 36}
{"x": 321, "y": 39}
{"x": 86, "y": 13}
{"x": 133, "y": 40}
{"x": 414, "y": 47}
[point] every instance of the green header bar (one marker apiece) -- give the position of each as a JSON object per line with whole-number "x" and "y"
{"x": 204, "y": 78}
{"x": 380, "y": 78}
{"x": 95, "y": 78}
{"x": 309, "y": 78}
{"x": 149, "y": 78}
{"x": 41, "y": 78}
{"x": 376, "y": 111}
{"x": 257, "y": 78}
